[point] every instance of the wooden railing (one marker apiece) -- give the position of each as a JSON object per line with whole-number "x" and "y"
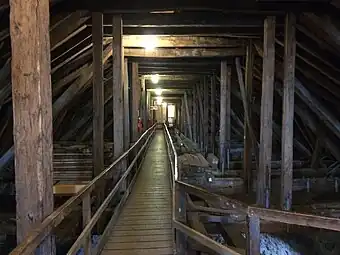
{"x": 226, "y": 206}
{"x": 43, "y": 230}
{"x": 179, "y": 212}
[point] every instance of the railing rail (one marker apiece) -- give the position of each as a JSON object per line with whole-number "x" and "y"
{"x": 182, "y": 231}
{"x": 38, "y": 234}
{"x": 225, "y": 205}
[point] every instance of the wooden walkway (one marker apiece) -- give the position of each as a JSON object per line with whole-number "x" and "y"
{"x": 144, "y": 226}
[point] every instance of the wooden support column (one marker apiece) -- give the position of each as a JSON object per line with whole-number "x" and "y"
{"x": 188, "y": 117}
{"x": 148, "y": 105}
{"x": 225, "y": 116}
{"x": 126, "y": 106}
{"x": 178, "y": 115}
{"x": 98, "y": 94}
{"x": 265, "y": 153}
{"x": 183, "y": 118}
{"x": 206, "y": 113}
{"x": 118, "y": 88}
{"x": 228, "y": 118}
{"x": 144, "y": 108}
{"x": 32, "y": 116}
{"x": 247, "y": 156}
{"x": 288, "y": 113}
{"x": 213, "y": 113}
{"x": 135, "y": 94}
{"x": 201, "y": 116}
{"x": 194, "y": 115}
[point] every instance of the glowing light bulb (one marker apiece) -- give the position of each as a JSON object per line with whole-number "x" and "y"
{"x": 158, "y": 92}
{"x": 155, "y": 78}
{"x": 149, "y": 42}
{"x": 159, "y": 100}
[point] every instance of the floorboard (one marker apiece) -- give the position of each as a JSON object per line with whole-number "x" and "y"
{"x": 145, "y": 224}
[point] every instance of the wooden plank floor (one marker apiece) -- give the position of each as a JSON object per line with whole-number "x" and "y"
{"x": 144, "y": 226}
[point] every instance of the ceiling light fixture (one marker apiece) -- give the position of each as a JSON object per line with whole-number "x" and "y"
{"x": 159, "y": 100}
{"x": 158, "y": 92}
{"x": 155, "y": 78}
{"x": 149, "y": 42}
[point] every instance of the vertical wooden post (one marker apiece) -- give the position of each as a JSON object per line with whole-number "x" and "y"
{"x": 247, "y": 155}
{"x": 188, "y": 117}
{"x": 166, "y": 114}
{"x": 118, "y": 88}
{"x": 126, "y": 106}
{"x": 201, "y": 116}
{"x": 32, "y": 116}
{"x": 253, "y": 236}
{"x": 181, "y": 215}
{"x": 228, "y": 118}
{"x": 143, "y": 104}
{"x": 86, "y": 211}
{"x": 225, "y": 115}
{"x": 98, "y": 94}
{"x": 135, "y": 92}
{"x": 148, "y": 111}
{"x": 213, "y": 113}
{"x": 194, "y": 115}
{"x": 265, "y": 154}
{"x": 183, "y": 118}
{"x": 288, "y": 113}
{"x": 206, "y": 113}
{"x": 98, "y": 107}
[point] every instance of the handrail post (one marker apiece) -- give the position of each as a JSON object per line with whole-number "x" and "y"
{"x": 253, "y": 235}
{"x": 86, "y": 208}
{"x": 181, "y": 215}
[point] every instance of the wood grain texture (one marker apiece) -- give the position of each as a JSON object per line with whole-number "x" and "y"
{"x": 32, "y": 112}
{"x": 265, "y": 153}
{"x": 145, "y": 224}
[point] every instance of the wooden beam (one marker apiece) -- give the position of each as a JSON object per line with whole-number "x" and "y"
{"x": 190, "y": 19}
{"x": 213, "y": 113}
{"x": 206, "y": 113}
{"x": 265, "y": 153}
{"x": 188, "y": 116}
{"x": 201, "y": 115}
{"x": 225, "y": 73}
{"x": 166, "y": 41}
{"x": 98, "y": 94}
{"x": 172, "y": 77}
{"x": 288, "y": 113}
{"x": 183, "y": 53}
{"x": 32, "y": 115}
{"x": 135, "y": 97}
{"x": 194, "y": 115}
{"x": 248, "y": 145}
{"x": 68, "y": 28}
{"x": 228, "y": 118}
{"x": 126, "y": 106}
{"x": 118, "y": 105}
{"x": 314, "y": 105}
{"x": 254, "y": 235}
{"x": 228, "y": 6}
{"x": 143, "y": 104}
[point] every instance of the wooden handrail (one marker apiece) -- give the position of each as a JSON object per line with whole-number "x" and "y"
{"x": 307, "y": 220}
{"x": 254, "y": 215}
{"x": 87, "y": 230}
{"x": 204, "y": 240}
{"x": 222, "y": 201}
{"x": 39, "y": 233}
